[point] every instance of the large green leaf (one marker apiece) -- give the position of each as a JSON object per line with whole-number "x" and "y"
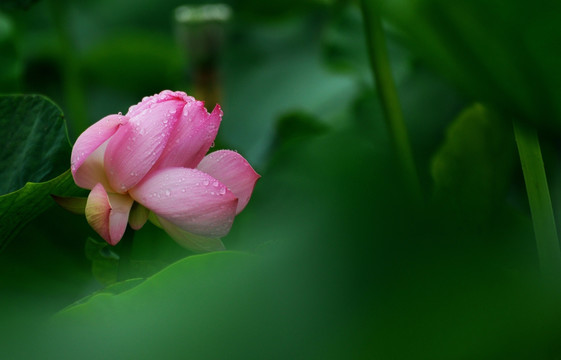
{"x": 21, "y": 206}
{"x": 502, "y": 52}
{"x": 184, "y": 301}
{"x": 34, "y": 142}
{"x": 35, "y": 150}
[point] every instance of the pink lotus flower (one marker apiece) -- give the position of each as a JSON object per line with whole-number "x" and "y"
{"x": 152, "y": 160}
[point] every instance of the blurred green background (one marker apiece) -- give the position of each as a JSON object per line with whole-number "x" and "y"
{"x": 331, "y": 258}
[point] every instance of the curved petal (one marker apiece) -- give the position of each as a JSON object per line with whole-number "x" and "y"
{"x": 163, "y": 96}
{"x": 191, "y": 241}
{"x": 136, "y": 147}
{"x": 232, "y": 170}
{"x": 92, "y": 171}
{"x": 108, "y": 214}
{"x": 190, "y": 199}
{"x": 192, "y": 137}
{"x": 89, "y": 141}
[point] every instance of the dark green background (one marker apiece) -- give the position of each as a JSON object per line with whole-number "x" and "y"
{"x": 331, "y": 258}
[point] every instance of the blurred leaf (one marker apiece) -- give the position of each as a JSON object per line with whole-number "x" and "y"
{"x": 472, "y": 171}
{"x": 297, "y": 125}
{"x": 35, "y": 146}
{"x": 113, "y": 289}
{"x": 505, "y": 53}
{"x": 181, "y": 278}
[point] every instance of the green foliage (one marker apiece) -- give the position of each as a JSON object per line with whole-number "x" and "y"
{"x": 505, "y": 53}
{"x": 473, "y": 168}
{"x": 35, "y": 147}
{"x": 35, "y": 151}
{"x": 21, "y": 206}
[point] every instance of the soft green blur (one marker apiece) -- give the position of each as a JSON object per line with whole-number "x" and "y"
{"x": 330, "y": 259}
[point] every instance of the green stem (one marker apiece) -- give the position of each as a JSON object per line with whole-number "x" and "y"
{"x": 549, "y": 252}
{"x": 387, "y": 91}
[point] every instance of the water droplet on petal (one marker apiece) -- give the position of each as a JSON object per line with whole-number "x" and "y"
{"x": 168, "y": 192}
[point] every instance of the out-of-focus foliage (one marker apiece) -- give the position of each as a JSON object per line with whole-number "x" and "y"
{"x": 506, "y": 53}
{"x": 473, "y": 169}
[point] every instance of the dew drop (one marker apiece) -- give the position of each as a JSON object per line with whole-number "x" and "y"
{"x": 183, "y": 190}
{"x": 206, "y": 182}
{"x": 215, "y": 184}
{"x": 222, "y": 191}
{"x": 168, "y": 192}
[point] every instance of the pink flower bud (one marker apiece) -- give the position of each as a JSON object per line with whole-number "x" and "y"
{"x": 155, "y": 155}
